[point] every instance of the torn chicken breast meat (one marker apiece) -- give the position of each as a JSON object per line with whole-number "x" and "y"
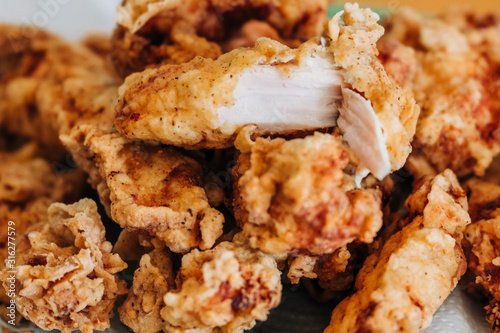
{"x": 151, "y": 33}
{"x": 205, "y": 103}
{"x": 66, "y": 276}
{"x": 152, "y": 280}
{"x": 226, "y": 289}
{"x": 483, "y": 236}
{"x": 401, "y": 286}
{"x": 297, "y": 199}
{"x": 148, "y": 187}
{"x": 452, "y": 69}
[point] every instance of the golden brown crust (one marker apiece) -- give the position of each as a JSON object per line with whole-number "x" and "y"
{"x": 28, "y": 185}
{"x": 204, "y": 96}
{"x": 225, "y": 289}
{"x": 483, "y": 237}
{"x": 402, "y": 285}
{"x": 66, "y": 274}
{"x": 152, "y": 280}
{"x": 174, "y": 32}
{"x": 39, "y": 70}
{"x": 175, "y": 209}
{"x": 354, "y": 48}
{"x": 298, "y": 199}
{"x": 453, "y": 81}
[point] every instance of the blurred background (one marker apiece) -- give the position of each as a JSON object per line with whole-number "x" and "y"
{"x": 74, "y": 18}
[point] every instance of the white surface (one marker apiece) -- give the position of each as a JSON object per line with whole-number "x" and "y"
{"x": 72, "y": 19}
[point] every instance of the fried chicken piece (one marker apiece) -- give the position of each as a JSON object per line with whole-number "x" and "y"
{"x": 297, "y": 198}
{"x": 28, "y": 185}
{"x": 225, "y": 289}
{"x": 145, "y": 187}
{"x": 155, "y": 32}
{"x": 455, "y": 82}
{"x": 152, "y": 280}
{"x": 66, "y": 277}
{"x": 483, "y": 237}
{"x": 36, "y": 67}
{"x": 148, "y": 188}
{"x": 331, "y": 275}
{"x": 280, "y": 90}
{"x": 402, "y": 285}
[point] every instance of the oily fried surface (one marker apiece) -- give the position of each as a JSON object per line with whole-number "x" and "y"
{"x": 36, "y": 68}
{"x": 328, "y": 276}
{"x": 452, "y": 69}
{"x": 225, "y": 289}
{"x": 354, "y": 48}
{"x": 298, "y": 200}
{"x": 198, "y": 90}
{"x": 401, "y": 286}
{"x": 173, "y": 32}
{"x": 66, "y": 275}
{"x": 152, "y": 280}
{"x": 195, "y": 90}
{"x": 483, "y": 237}
{"x": 28, "y": 185}
{"x": 148, "y": 188}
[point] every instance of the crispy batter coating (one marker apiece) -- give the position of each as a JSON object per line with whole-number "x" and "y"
{"x": 28, "y": 185}
{"x": 66, "y": 277}
{"x": 331, "y": 274}
{"x": 483, "y": 236}
{"x": 148, "y": 188}
{"x": 173, "y": 32}
{"x": 454, "y": 75}
{"x": 225, "y": 289}
{"x": 210, "y": 101}
{"x": 152, "y": 280}
{"x": 299, "y": 200}
{"x": 402, "y": 285}
{"x": 354, "y": 48}
{"x": 38, "y": 70}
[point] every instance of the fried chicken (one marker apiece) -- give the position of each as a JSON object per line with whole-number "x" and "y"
{"x": 329, "y": 276}
{"x": 36, "y": 68}
{"x": 66, "y": 277}
{"x": 28, "y": 185}
{"x": 152, "y": 280}
{"x": 483, "y": 237}
{"x": 148, "y": 188}
{"x": 225, "y": 289}
{"x": 155, "y": 32}
{"x": 297, "y": 199}
{"x": 401, "y": 286}
{"x": 205, "y": 103}
{"x": 452, "y": 69}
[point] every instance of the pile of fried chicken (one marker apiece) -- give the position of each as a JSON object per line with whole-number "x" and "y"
{"x": 240, "y": 144}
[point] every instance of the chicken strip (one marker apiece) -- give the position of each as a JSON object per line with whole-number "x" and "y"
{"x": 225, "y": 289}
{"x": 152, "y": 280}
{"x": 336, "y": 80}
{"x": 452, "y": 69}
{"x": 157, "y": 32}
{"x": 297, "y": 199}
{"x": 483, "y": 236}
{"x": 36, "y": 69}
{"x": 66, "y": 275}
{"x": 148, "y": 188}
{"x": 401, "y": 286}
